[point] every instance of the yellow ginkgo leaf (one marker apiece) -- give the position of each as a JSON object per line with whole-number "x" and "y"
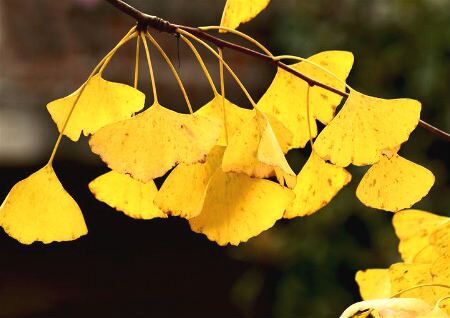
{"x": 413, "y": 228}
{"x": 255, "y": 151}
{"x": 126, "y": 194}
{"x": 440, "y": 272}
{"x": 394, "y": 184}
{"x": 404, "y": 276}
{"x": 365, "y": 127}
{"x": 317, "y": 183}
{"x": 102, "y": 102}
{"x": 39, "y": 209}
{"x": 286, "y": 97}
{"x": 440, "y": 238}
{"x": 237, "y": 207}
{"x": 241, "y": 11}
{"x": 426, "y": 255}
{"x": 393, "y": 308}
{"x": 374, "y": 283}
{"x": 152, "y": 142}
{"x": 183, "y": 191}
{"x": 234, "y": 116}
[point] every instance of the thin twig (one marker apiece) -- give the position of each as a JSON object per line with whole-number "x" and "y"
{"x": 146, "y": 20}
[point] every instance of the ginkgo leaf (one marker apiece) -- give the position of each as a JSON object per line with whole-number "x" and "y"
{"x": 126, "y": 194}
{"x": 365, "y": 127}
{"x": 404, "y": 276}
{"x": 413, "y": 228}
{"x": 317, "y": 183}
{"x": 394, "y": 184}
{"x": 440, "y": 238}
{"x": 255, "y": 151}
{"x": 183, "y": 191}
{"x": 393, "y": 308}
{"x": 234, "y": 116}
{"x": 102, "y": 102}
{"x": 39, "y": 209}
{"x": 374, "y": 283}
{"x": 285, "y": 99}
{"x": 152, "y": 142}
{"x": 241, "y": 11}
{"x": 440, "y": 268}
{"x": 237, "y": 207}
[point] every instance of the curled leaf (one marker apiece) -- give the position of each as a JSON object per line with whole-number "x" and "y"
{"x": 317, "y": 183}
{"x": 285, "y": 99}
{"x": 39, "y": 209}
{"x": 152, "y": 142}
{"x": 102, "y": 102}
{"x": 126, "y": 194}
{"x": 255, "y": 151}
{"x": 394, "y": 184}
{"x": 365, "y": 127}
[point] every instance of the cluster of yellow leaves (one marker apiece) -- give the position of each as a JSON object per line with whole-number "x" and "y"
{"x": 224, "y": 156}
{"x": 424, "y": 273}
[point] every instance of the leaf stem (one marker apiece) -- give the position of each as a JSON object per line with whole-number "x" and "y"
{"x": 419, "y": 286}
{"x": 172, "y": 68}
{"x": 308, "y": 118}
{"x": 150, "y": 68}
{"x": 136, "y": 64}
{"x": 222, "y": 92}
{"x": 202, "y": 64}
{"x": 238, "y": 81}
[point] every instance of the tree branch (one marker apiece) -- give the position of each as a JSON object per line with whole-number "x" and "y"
{"x": 145, "y": 20}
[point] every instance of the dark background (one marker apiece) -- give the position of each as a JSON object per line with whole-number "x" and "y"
{"x": 128, "y": 268}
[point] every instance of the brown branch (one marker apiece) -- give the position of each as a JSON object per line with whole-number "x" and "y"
{"x": 145, "y": 20}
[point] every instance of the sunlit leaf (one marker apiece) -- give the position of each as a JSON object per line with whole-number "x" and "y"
{"x": 241, "y": 11}
{"x": 234, "y": 116}
{"x": 317, "y": 183}
{"x": 255, "y": 151}
{"x": 39, "y": 209}
{"x": 374, "y": 283}
{"x": 365, "y": 127}
{"x": 394, "y": 184}
{"x": 285, "y": 99}
{"x": 440, "y": 238}
{"x": 126, "y": 194}
{"x": 183, "y": 191}
{"x": 413, "y": 228}
{"x": 237, "y": 207}
{"x": 152, "y": 142}
{"x": 102, "y": 102}
{"x": 404, "y": 276}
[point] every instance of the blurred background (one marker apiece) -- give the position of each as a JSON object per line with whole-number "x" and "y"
{"x": 129, "y": 268}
